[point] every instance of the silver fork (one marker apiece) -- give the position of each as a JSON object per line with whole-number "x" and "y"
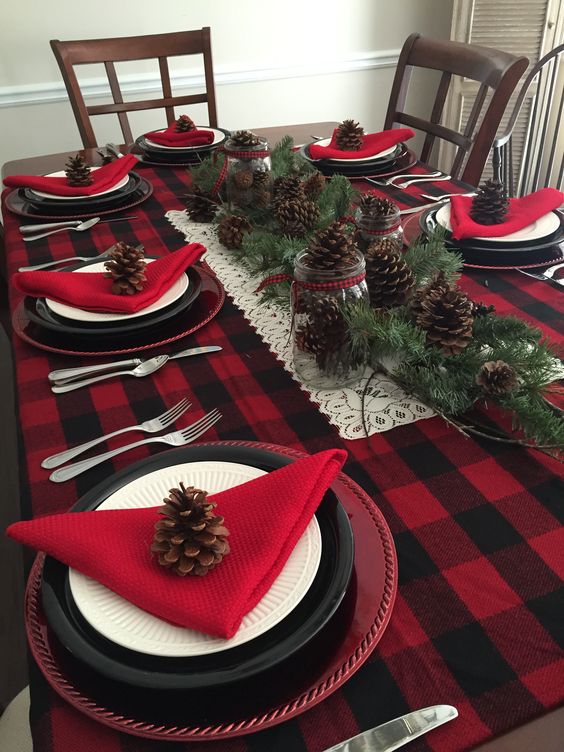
{"x": 546, "y": 275}
{"x": 390, "y": 181}
{"x": 444, "y": 196}
{"x": 178, "y": 438}
{"x": 149, "y": 426}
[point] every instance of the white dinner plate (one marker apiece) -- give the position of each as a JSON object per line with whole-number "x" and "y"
{"x": 81, "y": 314}
{"x": 129, "y": 626}
{"x": 541, "y": 228}
{"x": 218, "y": 136}
{"x": 380, "y": 155}
{"x": 61, "y": 174}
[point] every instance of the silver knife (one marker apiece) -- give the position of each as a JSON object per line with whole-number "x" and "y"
{"x": 65, "y": 375}
{"x": 396, "y": 733}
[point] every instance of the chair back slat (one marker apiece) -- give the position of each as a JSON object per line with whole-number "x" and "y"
{"x": 495, "y": 71}
{"x": 436, "y": 114}
{"x": 109, "y": 51}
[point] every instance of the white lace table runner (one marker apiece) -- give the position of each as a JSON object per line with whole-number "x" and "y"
{"x": 386, "y": 405}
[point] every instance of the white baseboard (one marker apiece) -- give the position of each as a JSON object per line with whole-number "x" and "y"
{"x": 54, "y": 91}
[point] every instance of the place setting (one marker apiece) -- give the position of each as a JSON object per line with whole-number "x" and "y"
{"x": 491, "y": 231}
{"x": 182, "y": 144}
{"x": 122, "y": 301}
{"x": 357, "y": 155}
{"x": 79, "y": 191}
{"x": 184, "y": 575}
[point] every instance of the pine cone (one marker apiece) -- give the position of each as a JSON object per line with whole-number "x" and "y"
{"x": 310, "y": 340}
{"x": 185, "y": 124}
{"x": 296, "y": 217}
{"x": 349, "y": 136}
{"x": 127, "y": 269}
{"x": 314, "y": 185}
{"x": 243, "y": 179}
{"x": 201, "y": 207}
{"x": 189, "y": 538}
{"x": 388, "y": 278}
{"x": 331, "y": 248}
{"x": 445, "y": 313}
{"x": 491, "y": 204}
{"x": 78, "y": 172}
{"x": 496, "y": 377}
{"x": 243, "y": 139}
{"x": 287, "y": 188}
{"x": 481, "y": 309}
{"x": 231, "y": 230}
{"x": 373, "y": 206}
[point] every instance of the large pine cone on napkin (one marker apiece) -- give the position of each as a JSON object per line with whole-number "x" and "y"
{"x": 349, "y": 136}
{"x": 189, "y": 538}
{"x": 127, "y": 269}
{"x": 445, "y": 312}
{"x": 185, "y": 124}
{"x": 490, "y": 205}
{"x": 78, "y": 172}
{"x": 389, "y": 279}
{"x": 331, "y": 248}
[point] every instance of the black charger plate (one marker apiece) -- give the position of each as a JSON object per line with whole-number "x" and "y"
{"x": 39, "y": 312}
{"x": 236, "y": 664}
{"x": 19, "y": 205}
{"x": 371, "y": 168}
{"x": 428, "y": 222}
{"x": 106, "y": 199}
{"x": 479, "y": 255}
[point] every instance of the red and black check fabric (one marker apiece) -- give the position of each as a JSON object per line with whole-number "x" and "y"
{"x": 477, "y": 524}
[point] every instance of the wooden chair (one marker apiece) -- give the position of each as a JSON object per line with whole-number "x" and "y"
{"x": 119, "y": 49}
{"x": 494, "y": 70}
{"x": 543, "y": 139}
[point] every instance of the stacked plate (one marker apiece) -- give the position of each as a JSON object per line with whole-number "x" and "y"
{"x": 538, "y": 244}
{"x": 177, "y": 156}
{"x": 128, "y": 192}
{"x": 186, "y": 306}
{"x": 389, "y": 162}
{"x": 102, "y": 653}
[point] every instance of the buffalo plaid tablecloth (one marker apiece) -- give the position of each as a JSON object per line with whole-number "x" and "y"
{"x": 478, "y": 619}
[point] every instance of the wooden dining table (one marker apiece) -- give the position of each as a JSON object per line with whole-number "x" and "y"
{"x": 477, "y": 621}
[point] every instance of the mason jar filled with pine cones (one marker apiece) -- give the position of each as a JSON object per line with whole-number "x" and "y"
{"x": 378, "y": 219}
{"x": 328, "y": 277}
{"x": 249, "y": 178}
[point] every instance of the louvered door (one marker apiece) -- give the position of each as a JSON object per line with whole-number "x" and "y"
{"x": 522, "y": 27}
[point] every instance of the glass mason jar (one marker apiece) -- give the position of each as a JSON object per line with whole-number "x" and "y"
{"x": 377, "y": 227}
{"x": 249, "y": 178}
{"x": 321, "y": 344}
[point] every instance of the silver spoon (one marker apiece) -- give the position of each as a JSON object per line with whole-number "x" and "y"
{"x": 79, "y": 228}
{"x": 144, "y": 369}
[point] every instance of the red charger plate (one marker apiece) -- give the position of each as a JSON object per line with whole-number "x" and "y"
{"x": 206, "y": 306}
{"x": 375, "y": 582}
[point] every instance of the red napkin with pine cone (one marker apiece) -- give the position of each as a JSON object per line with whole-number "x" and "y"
{"x": 103, "y": 179}
{"x": 172, "y": 137}
{"x": 521, "y": 213}
{"x": 265, "y": 517}
{"x": 372, "y": 144}
{"x": 92, "y": 291}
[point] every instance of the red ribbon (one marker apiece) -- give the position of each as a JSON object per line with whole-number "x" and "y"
{"x": 238, "y": 155}
{"x": 329, "y": 285}
{"x": 385, "y": 231}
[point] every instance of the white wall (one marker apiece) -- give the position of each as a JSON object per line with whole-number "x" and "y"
{"x": 275, "y": 63}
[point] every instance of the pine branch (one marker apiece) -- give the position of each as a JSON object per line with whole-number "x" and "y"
{"x": 427, "y": 257}
{"x": 205, "y": 175}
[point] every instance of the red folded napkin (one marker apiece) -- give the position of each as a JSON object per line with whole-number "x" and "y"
{"x": 92, "y": 291}
{"x": 522, "y": 212}
{"x": 102, "y": 179}
{"x": 170, "y": 137}
{"x": 266, "y": 517}
{"x": 373, "y": 144}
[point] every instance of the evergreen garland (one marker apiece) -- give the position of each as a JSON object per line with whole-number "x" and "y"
{"x": 390, "y": 340}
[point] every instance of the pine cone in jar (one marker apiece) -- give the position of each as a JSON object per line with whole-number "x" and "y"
{"x": 389, "y": 280}
{"x": 331, "y": 248}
